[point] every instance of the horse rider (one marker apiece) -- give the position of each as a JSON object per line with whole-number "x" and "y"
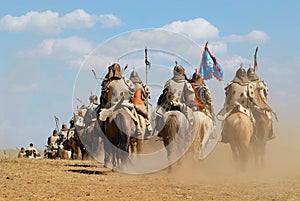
{"x": 178, "y": 94}
{"x": 22, "y": 153}
{"x": 115, "y": 87}
{"x": 91, "y": 116}
{"x": 31, "y": 152}
{"x": 203, "y": 99}
{"x": 53, "y": 140}
{"x": 238, "y": 97}
{"x": 141, "y": 95}
{"x": 116, "y": 91}
{"x": 259, "y": 95}
{"x": 63, "y": 135}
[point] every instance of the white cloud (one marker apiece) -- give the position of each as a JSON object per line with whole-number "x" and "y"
{"x": 72, "y": 50}
{"x": 26, "y": 88}
{"x": 233, "y": 63}
{"x": 196, "y": 29}
{"x": 50, "y": 23}
{"x": 60, "y": 47}
{"x": 73, "y": 45}
{"x": 255, "y": 36}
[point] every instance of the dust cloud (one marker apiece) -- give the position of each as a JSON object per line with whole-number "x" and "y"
{"x": 282, "y": 162}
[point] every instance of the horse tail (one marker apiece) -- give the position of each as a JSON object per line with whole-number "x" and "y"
{"x": 123, "y": 137}
{"x": 171, "y": 126}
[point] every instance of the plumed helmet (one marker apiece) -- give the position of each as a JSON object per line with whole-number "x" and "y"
{"x": 179, "y": 72}
{"x": 241, "y": 72}
{"x": 134, "y": 77}
{"x": 240, "y": 76}
{"x": 252, "y": 74}
{"x": 114, "y": 71}
{"x": 197, "y": 79}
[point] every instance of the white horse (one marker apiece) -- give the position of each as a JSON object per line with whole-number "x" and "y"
{"x": 202, "y": 131}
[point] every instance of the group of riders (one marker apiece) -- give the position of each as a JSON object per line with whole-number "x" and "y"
{"x": 244, "y": 93}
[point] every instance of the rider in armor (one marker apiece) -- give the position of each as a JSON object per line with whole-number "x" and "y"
{"x": 91, "y": 115}
{"x": 259, "y": 95}
{"x": 178, "y": 94}
{"x": 260, "y": 98}
{"x": 203, "y": 99}
{"x": 63, "y": 135}
{"x": 238, "y": 97}
{"x": 115, "y": 87}
{"x": 53, "y": 140}
{"x": 139, "y": 99}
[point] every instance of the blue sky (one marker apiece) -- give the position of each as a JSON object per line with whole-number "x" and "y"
{"x": 44, "y": 43}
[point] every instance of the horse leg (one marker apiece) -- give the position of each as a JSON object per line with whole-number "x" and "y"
{"x": 79, "y": 153}
{"x": 235, "y": 154}
{"x": 139, "y": 146}
{"x": 107, "y": 152}
{"x": 262, "y": 154}
{"x": 244, "y": 155}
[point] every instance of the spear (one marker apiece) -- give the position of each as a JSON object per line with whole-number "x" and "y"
{"x": 56, "y": 122}
{"x": 255, "y": 61}
{"x": 147, "y": 67}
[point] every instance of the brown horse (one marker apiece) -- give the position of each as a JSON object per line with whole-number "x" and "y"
{"x": 238, "y": 128}
{"x": 263, "y": 130}
{"x": 117, "y": 130}
{"x": 173, "y": 128}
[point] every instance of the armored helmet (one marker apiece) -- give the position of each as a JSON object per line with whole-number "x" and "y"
{"x": 252, "y": 74}
{"x": 114, "y": 71}
{"x": 240, "y": 76}
{"x": 135, "y": 78}
{"x": 179, "y": 72}
{"x": 197, "y": 78}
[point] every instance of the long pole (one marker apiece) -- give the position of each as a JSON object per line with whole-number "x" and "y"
{"x": 147, "y": 67}
{"x": 255, "y": 60}
{"x": 56, "y": 122}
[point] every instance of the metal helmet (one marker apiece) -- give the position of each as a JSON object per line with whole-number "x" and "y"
{"x": 197, "y": 79}
{"x": 114, "y": 71}
{"x": 135, "y": 78}
{"x": 240, "y": 76}
{"x": 179, "y": 72}
{"x": 252, "y": 74}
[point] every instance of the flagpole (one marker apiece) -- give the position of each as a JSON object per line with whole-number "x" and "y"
{"x": 147, "y": 67}
{"x": 255, "y": 61}
{"x": 56, "y": 122}
{"x": 202, "y": 57}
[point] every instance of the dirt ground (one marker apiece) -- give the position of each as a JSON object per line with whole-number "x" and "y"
{"x": 214, "y": 179}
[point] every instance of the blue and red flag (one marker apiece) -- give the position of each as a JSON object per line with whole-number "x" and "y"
{"x": 209, "y": 66}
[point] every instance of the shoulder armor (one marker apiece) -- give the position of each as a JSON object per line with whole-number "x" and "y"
{"x": 251, "y": 90}
{"x": 188, "y": 86}
{"x": 228, "y": 85}
{"x": 129, "y": 84}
